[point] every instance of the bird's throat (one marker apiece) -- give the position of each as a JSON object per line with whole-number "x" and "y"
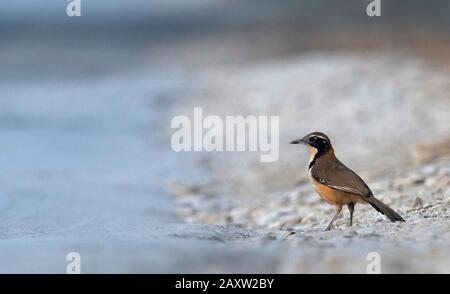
{"x": 315, "y": 154}
{"x": 312, "y": 156}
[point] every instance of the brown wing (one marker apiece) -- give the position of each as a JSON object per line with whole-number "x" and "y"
{"x": 337, "y": 176}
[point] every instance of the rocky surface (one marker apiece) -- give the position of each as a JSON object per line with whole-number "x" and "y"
{"x": 420, "y": 196}
{"x": 294, "y": 220}
{"x": 387, "y": 116}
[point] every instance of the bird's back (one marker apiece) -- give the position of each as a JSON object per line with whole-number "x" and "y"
{"x": 331, "y": 172}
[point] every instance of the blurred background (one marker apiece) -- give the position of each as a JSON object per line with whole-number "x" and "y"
{"x": 86, "y": 104}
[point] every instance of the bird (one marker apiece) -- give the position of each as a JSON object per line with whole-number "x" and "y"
{"x": 337, "y": 184}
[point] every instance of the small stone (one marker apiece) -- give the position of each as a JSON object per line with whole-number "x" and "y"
{"x": 429, "y": 170}
{"x": 430, "y": 182}
{"x": 270, "y": 236}
{"x": 386, "y": 200}
{"x": 308, "y": 218}
{"x": 418, "y": 181}
{"x": 293, "y": 221}
{"x": 417, "y": 202}
{"x": 288, "y": 233}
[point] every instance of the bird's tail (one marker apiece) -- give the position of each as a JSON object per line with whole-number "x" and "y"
{"x": 384, "y": 209}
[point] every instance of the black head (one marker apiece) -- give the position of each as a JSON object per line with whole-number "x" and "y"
{"x": 316, "y": 140}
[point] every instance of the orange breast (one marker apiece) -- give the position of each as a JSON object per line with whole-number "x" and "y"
{"x": 333, "y": 196}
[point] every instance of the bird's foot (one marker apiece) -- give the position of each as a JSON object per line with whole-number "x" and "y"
{"x": 330, "y": 227}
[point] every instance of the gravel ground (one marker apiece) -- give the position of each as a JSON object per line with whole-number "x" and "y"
{"x": 387, "y": 115}
{"x": 85, "y": 133}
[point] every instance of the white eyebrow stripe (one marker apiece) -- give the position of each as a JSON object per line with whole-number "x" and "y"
{"x": 320, "y": 137}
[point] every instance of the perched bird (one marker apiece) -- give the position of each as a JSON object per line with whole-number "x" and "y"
{"x": 336, "y": 183}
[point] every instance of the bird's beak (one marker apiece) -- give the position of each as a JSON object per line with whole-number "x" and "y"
{"x": 299, "y": 141}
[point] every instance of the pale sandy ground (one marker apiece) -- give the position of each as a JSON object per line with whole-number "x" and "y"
{"x": 85, "y": 140}
{"x": 387, "y": 114}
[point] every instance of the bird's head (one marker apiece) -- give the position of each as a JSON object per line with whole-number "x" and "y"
{"x": 317, "y": 143}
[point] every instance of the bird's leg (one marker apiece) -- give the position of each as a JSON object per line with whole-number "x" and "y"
{"x": 351, "y": 207}
{"x": 338, "y": 209}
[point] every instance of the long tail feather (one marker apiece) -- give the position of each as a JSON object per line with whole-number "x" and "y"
{"x": 384, "y": 209}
